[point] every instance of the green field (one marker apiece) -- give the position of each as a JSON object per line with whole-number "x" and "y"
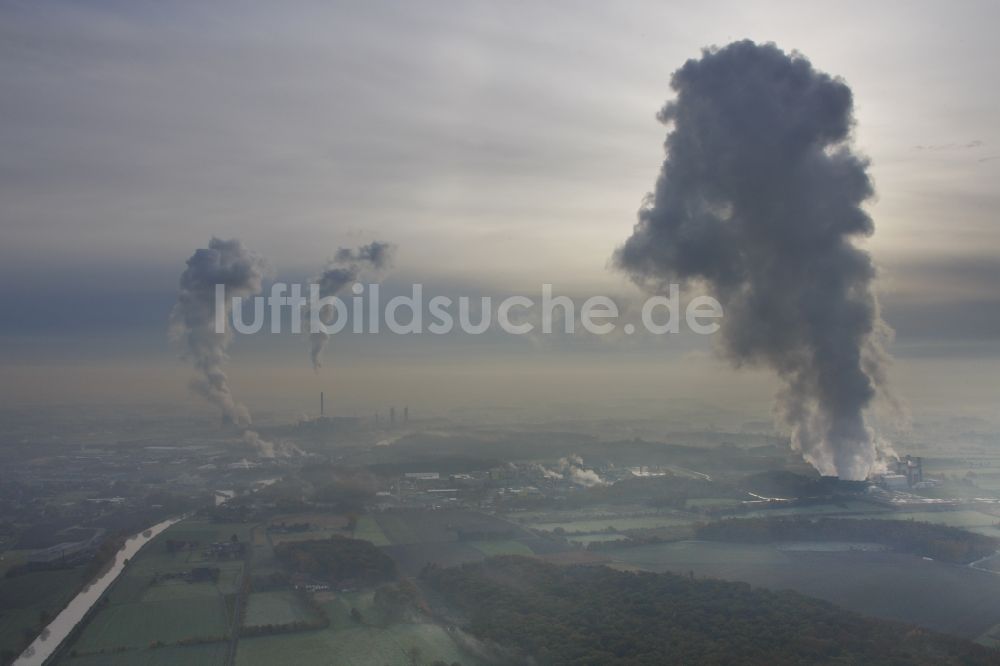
{"x": 619, "y": 524}
{"x": 264, "y": 561}
{"x": 990, "y": 638}
{"x": 205, "y": 532}
{"x": 349, "y": 643}
{"x": 675, "y": 556}
{"x": 593, "y": 538}
{"x": 277, "y": 608}
{"x": 338, "y": 609}
{"x": 505, "y": 547}
{"x": 229, "y": 577}
{"x": 712, "y": 502}
{"x": 12, "y": 558}
{"x": 310, "y": 535}
{"x": 24, "y": 598}
{"x": 141, "y": 611}
{"x": 369, "y": 530}
{"x": 155, "y": 558}
{"x": 208, "y": 654}
{"x": 413, "y": 526}
{"x": 135, "y": 586}
{"x": 175, "y": 590}
{"x": 147, "y": 618}
{"x": 139, "y": 625}
{"x": 595, "y": 512}
{"x": 398, "y": 528}
{"x": 354, "y": 646}
{"x": 862, "y": 509}
{"x": 990, "y": 563}
{"x": 962, "y": 518}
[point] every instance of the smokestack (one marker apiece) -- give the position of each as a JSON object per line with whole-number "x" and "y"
{"x": 392, "y": 416}
{"x": 406, "y": 414}
{"x": 759, "y": 202}
{"x": 322, "y": 411}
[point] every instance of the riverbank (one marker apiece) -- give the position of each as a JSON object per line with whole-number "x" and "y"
{"x": 57, "y": 631}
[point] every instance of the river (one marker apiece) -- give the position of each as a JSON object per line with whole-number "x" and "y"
{"x": 56, "y": 632}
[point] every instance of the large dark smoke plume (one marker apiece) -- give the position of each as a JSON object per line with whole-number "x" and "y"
{"x": 345, "y": 268}
{"x": 193, "y": 323}
{"x": 759, "y": 203}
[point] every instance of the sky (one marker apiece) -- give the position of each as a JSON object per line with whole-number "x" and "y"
{"x": 499, "y": 146}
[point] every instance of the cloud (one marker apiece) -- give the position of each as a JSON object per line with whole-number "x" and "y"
{"x": 937, "y": 147}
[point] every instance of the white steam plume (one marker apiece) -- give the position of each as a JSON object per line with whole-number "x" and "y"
{"x": 193, "y": 328}
{"x": 345, "y": 268}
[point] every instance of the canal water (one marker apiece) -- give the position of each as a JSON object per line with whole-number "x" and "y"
{"x": 57, "y": 630}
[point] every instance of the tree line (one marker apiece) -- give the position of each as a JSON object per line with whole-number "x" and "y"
{"x": 595, "y": 615}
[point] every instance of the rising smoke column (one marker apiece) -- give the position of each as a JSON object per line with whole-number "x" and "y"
{"x": 192, "y": 323}
{"x": 345, "y": 268}
{"x": 759, "y": 203}
{"x": 571, "y": 468}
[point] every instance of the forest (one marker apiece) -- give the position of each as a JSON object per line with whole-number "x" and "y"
{"x": 595, "y": 615}
{"x": 339, "y": 560}
{"x": 940, "y": 542}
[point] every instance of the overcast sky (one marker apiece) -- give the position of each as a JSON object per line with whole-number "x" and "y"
{"x": 498, "y": 145}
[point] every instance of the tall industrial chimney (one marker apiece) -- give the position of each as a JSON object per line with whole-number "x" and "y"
{"x": 406, "y": 414}
{"x": 322, "y": 409}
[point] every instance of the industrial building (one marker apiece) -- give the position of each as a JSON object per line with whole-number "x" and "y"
{"x": 904, "y": 474}
{"x": 912, "y": 468}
